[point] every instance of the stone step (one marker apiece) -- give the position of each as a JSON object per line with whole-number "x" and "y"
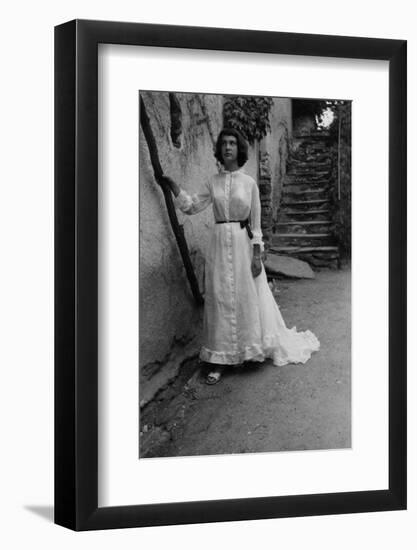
{"x": 302, "y": 239}
{"x": 305, "y": 205}
{"x": 304, "y": 142}
{"x": 310, "y": 172}
{"x": 310, "y": 149}
{"x": 312, "y": 164}
{"x": 304, "y": 215}
{"x": 321, "y": 144}
{"x": 299, "y": 194}
{"x": 302, "y": 155}
{"x": 304, "y": 227}
{"x": 295, "y": 186}
{"x": 332, "y": 250}
{"x": 290, "y": 179}
{"x": 312, "y": 152}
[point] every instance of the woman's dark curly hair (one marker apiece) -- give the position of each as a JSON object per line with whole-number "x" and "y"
{"x": 242, "y": 146}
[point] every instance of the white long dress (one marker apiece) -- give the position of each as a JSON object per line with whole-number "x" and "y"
{"x": 242, "y": 321}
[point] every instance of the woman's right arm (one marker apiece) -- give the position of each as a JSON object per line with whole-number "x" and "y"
{"x": 190, "y": 204}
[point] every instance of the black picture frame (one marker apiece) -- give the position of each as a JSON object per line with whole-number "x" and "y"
{"x": 76, "y": 274}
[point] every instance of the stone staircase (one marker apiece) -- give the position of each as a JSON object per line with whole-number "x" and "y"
{"x": 304, "y": 228}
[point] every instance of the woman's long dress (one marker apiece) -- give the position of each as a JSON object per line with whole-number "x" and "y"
{"x": 242, "y": 321}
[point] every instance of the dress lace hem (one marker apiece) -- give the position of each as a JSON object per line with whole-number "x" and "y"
{"x": 292, "y": 347}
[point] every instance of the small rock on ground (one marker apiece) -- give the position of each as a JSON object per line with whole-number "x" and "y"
{"x": 277, "y": 264}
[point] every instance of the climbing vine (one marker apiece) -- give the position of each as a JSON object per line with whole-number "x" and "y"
{"x": 249, "y": 115}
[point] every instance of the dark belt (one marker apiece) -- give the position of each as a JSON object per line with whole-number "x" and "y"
{"x": 243, "y": 224}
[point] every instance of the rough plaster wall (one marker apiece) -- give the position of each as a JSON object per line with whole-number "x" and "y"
{"x": 277, "y": 145}
{"x": 251, "y": 165}
{"x": 169, "y": 321}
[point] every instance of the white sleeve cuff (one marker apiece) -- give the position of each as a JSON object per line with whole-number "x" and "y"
{"x": 257, "y": 239}
{"x": 183, "y": 201}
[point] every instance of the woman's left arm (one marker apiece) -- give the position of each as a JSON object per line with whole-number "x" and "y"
{"x": 257, "y": 242}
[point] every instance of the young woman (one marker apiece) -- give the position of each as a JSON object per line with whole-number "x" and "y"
{"x": 242, "y": 321}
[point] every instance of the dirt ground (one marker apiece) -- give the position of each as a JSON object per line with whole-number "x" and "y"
{"x": 260, "y": 407}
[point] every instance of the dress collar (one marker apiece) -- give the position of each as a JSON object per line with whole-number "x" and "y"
{"x": 224, "y": 171}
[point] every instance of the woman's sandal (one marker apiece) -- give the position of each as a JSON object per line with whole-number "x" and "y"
{"x": 213, "y": 377}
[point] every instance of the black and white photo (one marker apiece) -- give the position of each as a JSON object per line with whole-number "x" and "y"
{"x": 244, "y": 274}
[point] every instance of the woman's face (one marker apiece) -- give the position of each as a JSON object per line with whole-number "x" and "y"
{"x": 229, "y": 149}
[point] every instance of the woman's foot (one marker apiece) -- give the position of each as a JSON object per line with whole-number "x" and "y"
{"x": 214, "y": 376}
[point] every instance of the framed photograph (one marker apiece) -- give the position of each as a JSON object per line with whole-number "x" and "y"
{"x": 230, "y": 275}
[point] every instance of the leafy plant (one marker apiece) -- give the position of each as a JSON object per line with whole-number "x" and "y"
{"x": 249, "y": 115}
